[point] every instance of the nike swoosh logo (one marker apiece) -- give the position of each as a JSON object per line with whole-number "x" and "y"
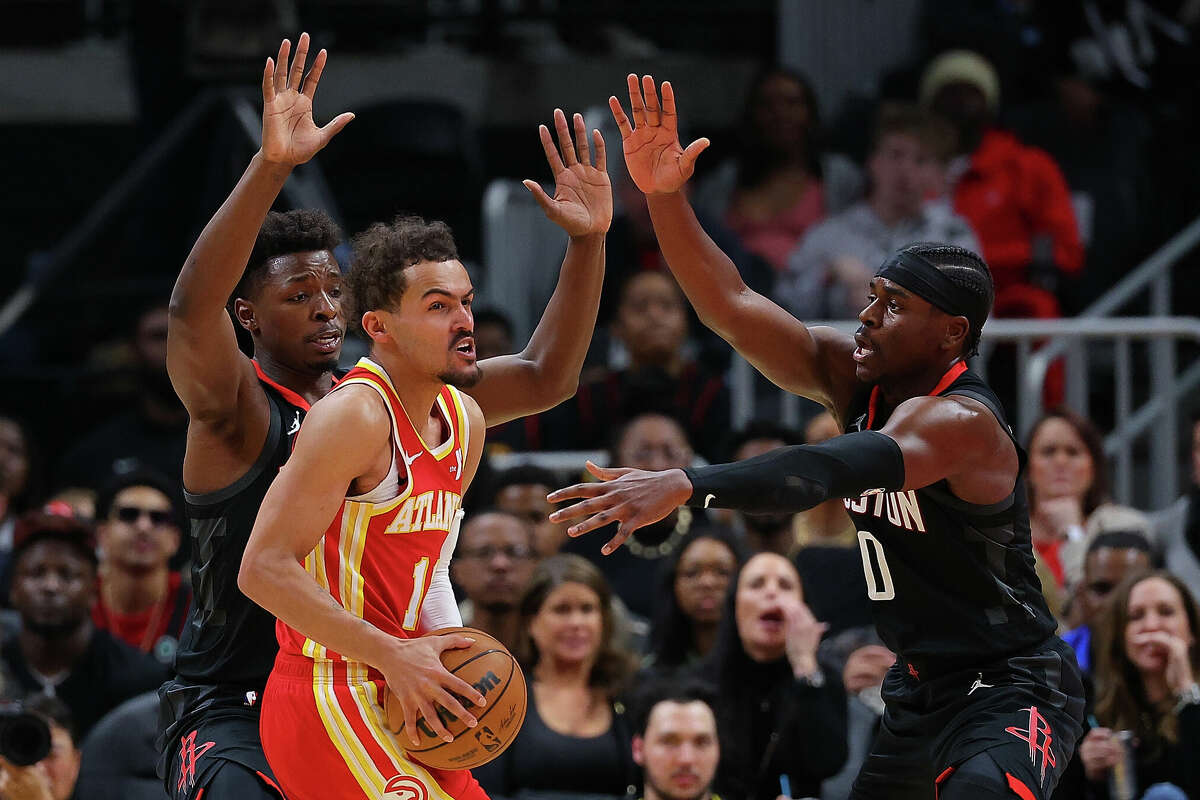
{"x": 708, "y": 498}
{"x": 408, "y": 460}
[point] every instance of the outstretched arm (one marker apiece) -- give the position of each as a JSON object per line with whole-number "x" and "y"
{"x": 926, "y": 440}
{"x": 814, "y": 363}
{"x": 201, "y": 344}
{"x": 546, "y": 372}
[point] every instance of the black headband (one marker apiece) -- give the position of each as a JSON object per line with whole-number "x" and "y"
{"x": 919, "y": 276}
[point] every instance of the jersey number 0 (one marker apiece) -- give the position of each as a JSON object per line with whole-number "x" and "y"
{"x": 881, "y": 588}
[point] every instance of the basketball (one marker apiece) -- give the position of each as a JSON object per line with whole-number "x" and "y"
{"x": 491, "y": 669}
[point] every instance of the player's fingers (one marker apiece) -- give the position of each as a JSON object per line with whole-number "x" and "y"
{"x": 552, "y": 158}
{"x": 314, "y": 74}
{"x": 281, "y": 64}
{"x": 623, "y": 531}
{"x": 607, "y": 473}
{"x": 268, "y": 82}
{"x": 581, "y": 141}
{"x": 297, "y": 71}
{"x": 410, "y": 719}
{"x": 594, "y": 522}
{"x": 429, "y": 712}
{"x": 334, "y": 126}
{"x": 651, "y": 94}
{"x": 451, "y": 704}
{"x": 564, "y": 138}
{"x": 688, "y": 160}
{"x": 453, "y": 642}
{"x": 619, "y": 117}
{"x": 635, "y": 100}
{"x": 572, "y": 493}
{"x": 670, "y": 119}
{"x": 544, "y": 200}
{"x": 601, "y": 155}
{"x": 461, "y": 688}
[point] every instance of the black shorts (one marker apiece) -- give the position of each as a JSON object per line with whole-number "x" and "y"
{"x": 209, "y": 744}
{"x": 1025, "y": 712}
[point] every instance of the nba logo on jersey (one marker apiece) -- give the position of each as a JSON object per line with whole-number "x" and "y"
{"x": 405, "y": 787}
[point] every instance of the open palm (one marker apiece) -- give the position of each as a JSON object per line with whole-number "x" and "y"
{"x": 582, "y": 203}
{"x": 656, "y": 161}
{"x": 290, "y": 135}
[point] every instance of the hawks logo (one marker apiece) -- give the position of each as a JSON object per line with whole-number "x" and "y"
{"x": 405, "y": 787}
{"x": 1039, "y": 737}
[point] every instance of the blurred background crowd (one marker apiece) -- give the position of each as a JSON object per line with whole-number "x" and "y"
{"x": 1058, "y": 139}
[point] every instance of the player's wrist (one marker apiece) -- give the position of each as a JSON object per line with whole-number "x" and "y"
{"x": 275, "y": 167}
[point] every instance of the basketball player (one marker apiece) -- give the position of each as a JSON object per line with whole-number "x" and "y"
{"x": 984, "y": 701}
{"x": 245, "y": 412}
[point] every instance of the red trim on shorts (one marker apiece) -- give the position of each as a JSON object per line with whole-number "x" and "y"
{"x": 1019, "y": 789}
{"x": 267, "y": 780}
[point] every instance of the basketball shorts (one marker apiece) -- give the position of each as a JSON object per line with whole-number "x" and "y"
{"x": 324, "y": 734}
{"x": 1025, "y": 712}
{"x": 209, "y": 745}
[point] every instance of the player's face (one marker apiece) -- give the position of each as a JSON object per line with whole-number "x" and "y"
{"x": 899, "y": 335}
{"x": 702, "y": 578}
{"x": 568, "y": 627}
{"x": 767, "y": 588}
{"x": 652, "y": 319}
{"x": 53, "y": 587}
{"x": 1059, "y": 462}
{"x": 1103, "y": 570}
{"x": 494, "y": 560}
{"x": 296, "y": 312}
{"x": 140, "y": 532}
{"x": 433, "y": 327}
{"x": 900, "y": 172}
{"x": 679, "y": 751}
{"x": 1155, "y": 607}
{"x": 528, "y": 500}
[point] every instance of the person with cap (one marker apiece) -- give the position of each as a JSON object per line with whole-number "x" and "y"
{"x": 984, "y": 701}
{"x": 58, "y": 651}
{"x": 1014, "y": 195}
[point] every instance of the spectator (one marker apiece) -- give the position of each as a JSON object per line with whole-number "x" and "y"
{"x": 675, "y": 741}
{"x": 1013, "y": 195}
{"x": 141, "y": 600}
{"x": 649, "y": 441}
{"x": 691, "y": 598}
{"x": 828, "y": 558}
{"x": 73, "y": 501}
{"x": 58, "y": 651}
{"x": 1068, "y": 493}
{"x": 120, "y": 754}
{"x": 150, "y": 434}
{"x": 493, "y": 334}
{"x": 1110, "y": 557}
{"x": 652, "y": 324}
{"x": 17, "y": 492}
{"x": 54, "y": 777}
{"x": 575, "y": 738}
{"x": 492, "y": 565}
{"x": 1146, "y": 680}
{"x": 778, "y": 711}
{"x": 522, "y": 491}
{"x": 1178, "y": 527}
{"x": 780, "y": 183}
{"x": 774, "y": 533}
{"x": 827, "y": 276}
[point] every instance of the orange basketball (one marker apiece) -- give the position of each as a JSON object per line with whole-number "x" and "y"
{"x": 490, "y": 668}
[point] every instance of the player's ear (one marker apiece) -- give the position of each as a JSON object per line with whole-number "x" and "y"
{"x": 956, "y": 331}
{"x": 243, "y": 312}
{"x": 375, "y": 326}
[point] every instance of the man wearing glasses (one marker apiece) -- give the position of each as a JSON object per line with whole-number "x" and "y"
{"x": 141, "y": 600}
{"x": 492, "y": 565}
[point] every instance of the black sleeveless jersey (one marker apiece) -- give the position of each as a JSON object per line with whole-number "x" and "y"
{"x": 952, "y": 584}
{"x": 228, "y": 639}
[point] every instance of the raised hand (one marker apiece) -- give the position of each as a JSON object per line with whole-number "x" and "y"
{"x": 290, "y": 136}
{"x": 632, "y": 497}
{"x": 656, "y": 161}
{"x": 582, "y": 203}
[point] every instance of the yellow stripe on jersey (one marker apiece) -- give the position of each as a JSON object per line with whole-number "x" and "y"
{"x": 464, "y": 423}
{"x": 443, "y": 449}
{"x": 342, "y": 735}
{"x": 446, "y": 447}
{"x": 314, "y": 564}
{"x": 353, "y": 601}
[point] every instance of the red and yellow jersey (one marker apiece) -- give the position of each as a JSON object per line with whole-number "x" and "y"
{"x": 378, "y": 556}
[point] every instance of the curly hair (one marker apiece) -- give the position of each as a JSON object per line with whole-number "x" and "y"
{"x": 968, "y": 271}
{"x": 301, "y": 230}
{"x": 382, "y": 253}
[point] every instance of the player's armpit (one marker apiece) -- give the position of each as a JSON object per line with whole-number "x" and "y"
{"x": 956, "y": 439}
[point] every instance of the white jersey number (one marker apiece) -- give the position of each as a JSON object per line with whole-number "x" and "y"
{"x": 413, "y": 613}
{"x": 868, "y": 544}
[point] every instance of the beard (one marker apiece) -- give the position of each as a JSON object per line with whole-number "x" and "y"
{"x": 463, "y": 378}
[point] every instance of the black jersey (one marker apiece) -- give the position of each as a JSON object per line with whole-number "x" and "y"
{"x": 228, "y": 639}
{"x": 952, "y": 583}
